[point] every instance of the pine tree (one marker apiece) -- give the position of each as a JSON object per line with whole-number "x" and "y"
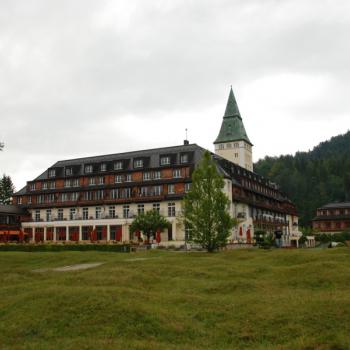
{"x": 6, "y": 190}
{"x": 205, "y": 207}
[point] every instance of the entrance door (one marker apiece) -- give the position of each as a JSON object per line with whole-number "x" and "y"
{"x": 170, "y": 232}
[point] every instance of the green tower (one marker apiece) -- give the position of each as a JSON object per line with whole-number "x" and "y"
{"x": 232, "y": 142}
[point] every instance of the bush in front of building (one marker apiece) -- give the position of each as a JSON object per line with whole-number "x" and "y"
{"x": 263, "y": 240}
{"x": 120, "y": 248}
{"x": 335, "y": 237}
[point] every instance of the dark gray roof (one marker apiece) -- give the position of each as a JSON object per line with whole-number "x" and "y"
{"x": 12, "y": 209}
{"x": 152, "y": 153}
{"x": 336, "y": 205}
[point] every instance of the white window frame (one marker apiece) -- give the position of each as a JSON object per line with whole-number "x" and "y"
{"x": 138, "y": 163}
{"x": 165, "y": 160}
{"x": 118, "y": 165}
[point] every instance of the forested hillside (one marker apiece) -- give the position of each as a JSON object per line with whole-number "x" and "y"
{"x": 313, "y": 178}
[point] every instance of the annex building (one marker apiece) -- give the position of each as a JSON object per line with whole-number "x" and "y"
{"x": 96, "y": 198}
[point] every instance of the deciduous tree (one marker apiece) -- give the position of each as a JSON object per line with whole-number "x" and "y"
{"x": 149, "y": 223}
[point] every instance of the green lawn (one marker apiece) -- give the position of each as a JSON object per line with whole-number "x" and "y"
{"x": 247, "y": 299}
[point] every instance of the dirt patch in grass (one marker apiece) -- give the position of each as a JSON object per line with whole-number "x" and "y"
{"x": 76, "y": 267}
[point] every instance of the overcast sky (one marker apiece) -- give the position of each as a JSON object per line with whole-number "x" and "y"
{"x": 81, "y": 77}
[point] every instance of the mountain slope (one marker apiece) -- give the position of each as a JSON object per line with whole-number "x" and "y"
{"x": 313, "y": 178}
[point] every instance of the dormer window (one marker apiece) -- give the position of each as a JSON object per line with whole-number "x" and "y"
{"x": 103, "y": 167}
{"x": 45, "y": 185}
{"x": 52, "y": 173}
{"x": 184, "y": 158}
{"x": 88, "y": 169}
{"x": 33, "y": 186}
{"x": 118, "y": 165}
{"x": 69, "y": 171}
{"x": 138, "y": 163}
{"x": 165, "y": 160}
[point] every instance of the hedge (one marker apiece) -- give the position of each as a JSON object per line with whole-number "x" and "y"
{"x": 120, "y": 248}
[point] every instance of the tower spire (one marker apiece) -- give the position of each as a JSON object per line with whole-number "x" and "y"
{"x": 231, "y": 106}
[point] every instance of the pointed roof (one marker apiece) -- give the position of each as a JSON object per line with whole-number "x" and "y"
{"x": 231, "y": 106}
{"x": 232, "y": 127}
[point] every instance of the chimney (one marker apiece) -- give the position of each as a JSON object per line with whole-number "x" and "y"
{"x": 186, "y": 142}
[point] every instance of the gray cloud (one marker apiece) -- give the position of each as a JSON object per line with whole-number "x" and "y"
{"x": 73, "y": 73}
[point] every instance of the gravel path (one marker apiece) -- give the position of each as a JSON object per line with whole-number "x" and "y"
{"x": 76, "y": 267}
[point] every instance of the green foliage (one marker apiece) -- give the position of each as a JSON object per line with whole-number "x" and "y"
{"x": 312, "y": 179}
{"x": 264, "y": 240}
{"x": 336, "y": 237}
{"x": 206, "y": 207}
{"x": 149, "y": 223}
{"x": 125, "y": 248}
{"x": 6, "y": 190}
{"x": 1, "y": 146}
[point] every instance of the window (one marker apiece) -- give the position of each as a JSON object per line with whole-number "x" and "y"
{"x": 45, "y": 185}
{"x": 40, "y": 199}
{"x": 126, "y": 192}
{"x": 171, "y": 189}
{"x": 171, "y": 209}
{"x": 235, "y": 145}
{"x": 118, "y": 165}
{"x": 50, "y": 198}
{"x": 30, "y": 200}
{"x": 33, "y": 186}
{"x": 91, "y": 181}
{"x": 115, "y": 193}
{"x": 76, "y": 183}
{"x": 128, "y": 178}
{"x": 236, "y": 155}
{"x": 103, "y": 167}
{"x": 88, "y": 169}
{"x": 48, "y": 215}
{"x": 146, "y": 176}
{"x": 67, "y": 183}
{"x": 157, "y": 175}
{"x": 165, "y": 160}
{"x": 98, "y": 211}
{"x": 111, "y": 211}
{"x": 221, "y": 146}
{"x": 184, "y": 158}
{"x": 19, "y": 200}
{"x": 101, "y": 180}
{"x": 143, "y": 191}
{"x": 60, "y": 214}
{"x": 52, "y": 173}
{"x": 187, "y": 187}
{"x": 229, "y": 145}
{"x": 176, "y": 173}
{"x": 138, "y": 163}
{"x": 126, "y": 209}
{"x": 85, "y": 213}
{"x": 88, "y": 196}
{"x": 99, "y": 194}
{"x": 52, "y": 185}
{"x": 118, "y": 179}
{"x": 72, "y": 212}
{"x": 64, "y": 197}
{"x": 37, "y": 215}
{"x": 156, "y": 206}
{"x": 140, "y": 209}
{"x": 69, "y": 171}
{"x": 74, "y": 196}
{"x": 157, "y": 190}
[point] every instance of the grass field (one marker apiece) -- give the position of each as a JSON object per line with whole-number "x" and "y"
{"x": 246, "y": 299}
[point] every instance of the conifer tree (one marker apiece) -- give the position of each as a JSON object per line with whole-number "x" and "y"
{"x": 6, "y": 189}
{"x": 205, "y": 207}
{"x": 1, "y": 146}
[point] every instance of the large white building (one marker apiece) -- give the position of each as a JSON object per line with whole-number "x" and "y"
{"x": 96, "y": 198}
